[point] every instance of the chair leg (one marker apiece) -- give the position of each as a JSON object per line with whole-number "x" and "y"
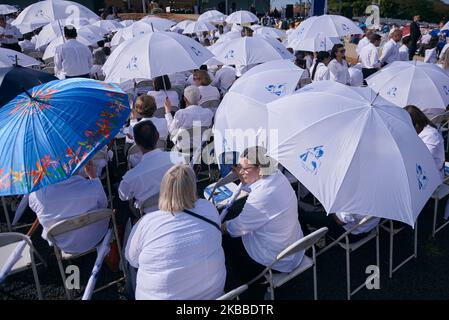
{"x": 61, "y": 270}
{"x": 108, "y": 181}
{"x": 36, "y": 277}
{"x": 435, "y": 213}
{"x": 116, "y": 153}
{"x": 348, "y": 273}
{"x": 416, "y": 239}
{"x": 6, "y": 211}
{"x": 315, "y": 287}
{"x": 391, "y": 234}
{"x": 119, "y": 247}
{"x": 378, "y": 247}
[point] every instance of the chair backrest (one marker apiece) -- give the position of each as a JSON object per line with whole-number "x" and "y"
{"x": 49, "y": 70}
{"x": 233, "y": 294}
{"x": 437, "y": 120}
{"x": 160, "y": 112}
{"x": 211, "y": 105}
{"x": 302, "y": 244}
{"x": 9, "y": 244}
{"x": 7, "y": 238}
{"x": 78, "y": 222}
{"x": 151, "y": 202}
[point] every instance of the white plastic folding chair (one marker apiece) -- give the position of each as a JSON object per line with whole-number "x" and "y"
{"x": 388, "y": 226}
{"x": 440, "y": 193}
{"x": 133, "y": 152}
{"x": 9, "y": 242}
{"x": 276, "y": 280}
{"x": 343, "y": 242}
{"x": 212, "y": 105}
{"x": 6, "y": 213}
{"x": 76, "y": 223}
{"x": 103, "y": 155}
{"x": 234, "y": 294}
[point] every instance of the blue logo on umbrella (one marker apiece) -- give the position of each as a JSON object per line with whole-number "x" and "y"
{"x": 196, "y": 51}
{"x": 345, "y": 27}
{"x": 421, "y": 176}
{"x": 310, "y": 159}
{"x": 392, "y": 92}
{"x": 277, "y": 89}
{"x": 446, "y": 90}
{"x": 230, "y": 54}
{"x": 132, "y": 65}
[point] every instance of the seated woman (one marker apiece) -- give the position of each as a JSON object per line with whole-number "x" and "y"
{"x": 267, "y": 224}
{"x": 203, "y": 82}
{"x": 177, "y": 249}
{"x": 430, "y": 135}
{"x": 162, "y": 89}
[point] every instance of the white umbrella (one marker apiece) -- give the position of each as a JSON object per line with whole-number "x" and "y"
{"x": 87, "y": 38}
{"x": 9, "y": 58}
{"x": 212, "y": 16}
{"x": 354, "y": 151}
{"x": 95, "y": 30}
{"x": 198, "y": 27}
{"x": 159, "y": 24}
{"x": 242, "y": 17}
{"x": 183, "y": 24}
{"x": 154, "y": 54}
{"x": 126, "y": 23}
{"x": 136, "y": 29}
{"x": 121, "y": 36}
{"x": 236, "y": 28}
{"x": 43, "y": 12}
{"x": 250, "y": 50}
{"x": 109, "y": 25}
{"x": 229, "y": 36}
{"x": 315, "y": 44}
{"x": 268, "y": 31}
{"x": 7, "y": 9}
{"x": 421, "y": 84}
{"x": 54, "y": 30}
{"x": 329, "y": 25}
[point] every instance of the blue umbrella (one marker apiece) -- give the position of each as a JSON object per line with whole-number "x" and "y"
{"x": 50, "y": 131}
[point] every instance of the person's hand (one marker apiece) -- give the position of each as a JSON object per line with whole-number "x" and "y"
{"x": 167, "y": 105}
{"x": 91, "y": 170}
{"x": 133, "y": 113}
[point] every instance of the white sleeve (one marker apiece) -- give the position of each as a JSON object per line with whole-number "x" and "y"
{"x": 58, "y": 60}
{"x": 386, "y": 52}
{"x": 332, "y": 71}
{"x": 125, "y": 191}
{"x": 134, "y": 244}
{"x": 375, "y": 59}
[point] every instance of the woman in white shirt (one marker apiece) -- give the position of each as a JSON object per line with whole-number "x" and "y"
{"x": 431, "y": 53}
{"x": 320, "y": 71}
{"x": 430, "y": 135}
{"x": 203, "y": 82}
{"x": 445, "y": 62}
{"x": 177, "y": 249}
{"x": 403, "y": 50}
{"x": 162, "y": 90}
{"x": 338, "y": 67}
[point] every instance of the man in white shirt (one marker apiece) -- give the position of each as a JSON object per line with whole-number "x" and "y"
{"x": 72, "y": 58}
{"x": 390, "y": 50}
{"x": 70, "y": 198}
{"x": 9, "y": 35}
{"x": 27, "y": 45}
{"x": 224, "y": 78}
{"x": 363, "y": 42}
{"x": 144, "y": 180}
{"x": 369, "y": 56}
{"x": 267, "y": 224}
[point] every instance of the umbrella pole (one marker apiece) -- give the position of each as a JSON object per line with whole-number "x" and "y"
{"x": 62, "y": 31}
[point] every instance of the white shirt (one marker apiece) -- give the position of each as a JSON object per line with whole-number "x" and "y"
{"x": 185, "y": 118}
{"x": 269, "y": 222}
{"x": 71, "y": 198}
{"x": 351, "y": 220}
{"x": 144, "y": 180}
{"x": 369, "y": 57}
{"x": 208, "y": 93}
{"x": 179, "y": 256}
{"x": 362, "y": 43}
{"x": 309, "y": 62}
{"x": 10, "y": 30}
{"x": 403, "y": 53}
{"x": 224, "y": 78}
{"x": 339, "y": 71}
{"x": 159, "y": 123}
{"x": 443, "y": 51}
{"x": 73, "y": 58}
{"x": 27, "y": 46}
{"x": 431, "y": 56}
{"x": 390, "y": 52}
{"x": 434, "y": 142}
{"x": 321, "y": 73}
{"x": 160, "y": 96}
{"x": 425, "y": 39}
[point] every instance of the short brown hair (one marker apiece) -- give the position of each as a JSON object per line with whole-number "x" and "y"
{"x": 148, "y": 106}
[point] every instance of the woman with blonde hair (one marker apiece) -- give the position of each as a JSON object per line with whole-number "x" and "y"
{"x": 177, "y": 249}
{"x": 444, "y": 64}
{"x": 203, "y": 81}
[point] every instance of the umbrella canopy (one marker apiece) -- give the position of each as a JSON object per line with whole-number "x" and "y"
{"x": 109, "y": 25}
{"x": 44, "y": 12}
{"x": 159, "y": 24}
{"x": 183, "y": 24}
{"x": 229, "y": 36}
{"x": 424, "y": 85}
{"x": 355, "y": 151}
{"x": 9, "y": 57}
{"x": 86, "y": 37}
{"x": 198, "y": 27}
{"x": 50, "y": 132}
{"x": 242, "y": 17}
{"x": 212, "y": 16}
{"x": 15, "y": 80}
{"x": 54, "y": 30}
{"x": 126, "y": 23}
{"x": 7, "y": 9}
{"x": 136, "y": 29}
{"x": 315, "y": 44}
{"x": 154, "y": 54}
{"x": 250, "y": 50}
{"x": 329, "y": 25}
{"x": 268, "y": 31}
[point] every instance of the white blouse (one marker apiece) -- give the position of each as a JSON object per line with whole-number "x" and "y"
{"x": 321, "y": 73}
{"x": 435, "y": 143}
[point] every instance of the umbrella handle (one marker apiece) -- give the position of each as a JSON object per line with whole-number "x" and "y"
{"x": 33, "y": 227}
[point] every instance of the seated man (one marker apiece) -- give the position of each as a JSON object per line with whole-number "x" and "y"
{"x": 267, "y": 224}
{"x": 144, "y": 180}
{"x": 70, "y": 198}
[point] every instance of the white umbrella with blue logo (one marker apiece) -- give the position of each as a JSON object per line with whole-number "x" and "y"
{"x": 424, "y": 85}
{"x": 320, "y": 42}
{"x": 355, "y": 151}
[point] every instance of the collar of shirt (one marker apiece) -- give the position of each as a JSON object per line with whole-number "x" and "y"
{"x": 151, "y": 154}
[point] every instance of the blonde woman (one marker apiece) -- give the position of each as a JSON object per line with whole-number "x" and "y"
{"x": 444, "y": 64}
{"x": 203, "y": 81}
{"x": 177, "y": 249}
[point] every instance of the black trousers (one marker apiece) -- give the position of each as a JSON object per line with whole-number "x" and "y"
{"x": 12, "y": 46}
{"x": 412, "y": 49}
{"x": 367, "y": 72}
{"x": 80, "y": 76}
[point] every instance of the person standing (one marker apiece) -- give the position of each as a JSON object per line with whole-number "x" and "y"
{"x": 415, "y": 34}
{"x": 369, "y": 56}
{"x": 9, "y": 35}
{"x": 338, "y": 67}
{"x": 72, "y": 58}
{"x": 390, "y": 50}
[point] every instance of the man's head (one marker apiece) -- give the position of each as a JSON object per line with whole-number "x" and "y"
{"x": 192, "y": 95}
{"x": 70, "y": 32}
{"x": 254, "y": 164}
{"x": 146, "y": 136}
{"x": 441, "y": 25}
{"x": 396, "y": 35}
{"x": 145, "y": 106}
{"x": 416, "y": 18}
{"x": 375, "y": 39}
